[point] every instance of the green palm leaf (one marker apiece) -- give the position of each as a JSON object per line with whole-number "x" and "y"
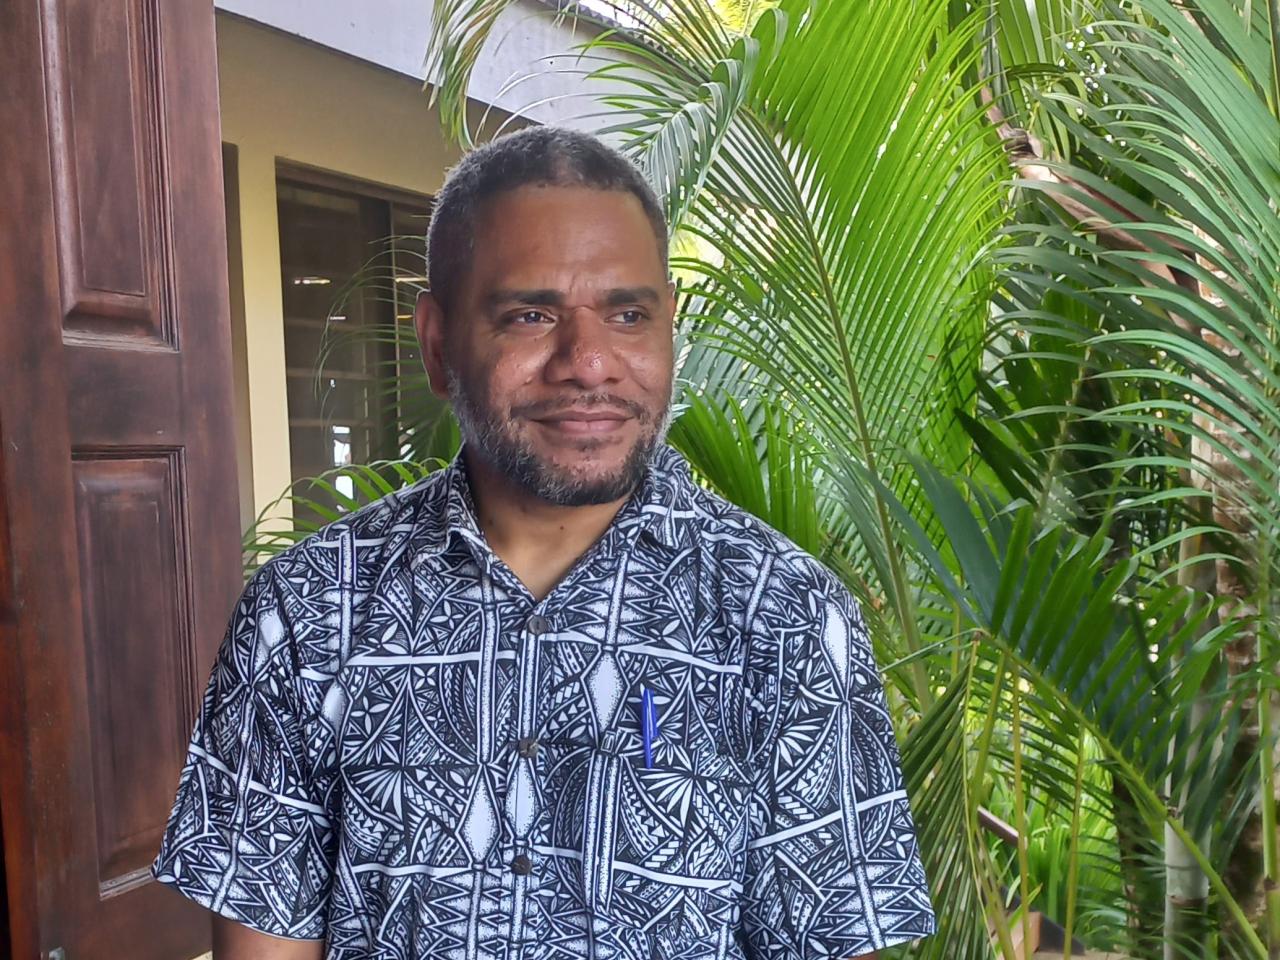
{"x": 831, "y": 167}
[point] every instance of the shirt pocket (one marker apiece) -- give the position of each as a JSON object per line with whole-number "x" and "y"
{"x": 664, "y": 846}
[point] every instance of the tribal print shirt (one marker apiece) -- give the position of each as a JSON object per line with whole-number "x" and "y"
{"x": 403, "y": 754}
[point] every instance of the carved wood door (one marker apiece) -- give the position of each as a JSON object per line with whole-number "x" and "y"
{"x": 119, "y": 542}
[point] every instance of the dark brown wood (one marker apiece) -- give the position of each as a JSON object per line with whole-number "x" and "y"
{"x": 16, "y": 932}
{"x": 127, "y": 508}
{"x": 119, "y": 542}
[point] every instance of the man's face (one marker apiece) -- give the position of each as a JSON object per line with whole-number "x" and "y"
{"x": 557, "y": 354}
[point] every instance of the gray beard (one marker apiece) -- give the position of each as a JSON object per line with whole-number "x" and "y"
{"x": 489, "y": 438}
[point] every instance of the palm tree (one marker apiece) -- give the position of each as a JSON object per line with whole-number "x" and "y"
{"x": 1177, "y": 277}
{"x": 982, "y": 305}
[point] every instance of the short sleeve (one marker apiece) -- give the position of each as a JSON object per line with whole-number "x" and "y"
{"x": 248, "y": 837}
{"x": 833, "y": 868}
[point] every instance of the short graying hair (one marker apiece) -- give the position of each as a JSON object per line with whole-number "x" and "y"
{"x": 534, "y": 156}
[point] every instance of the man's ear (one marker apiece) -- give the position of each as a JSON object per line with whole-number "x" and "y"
{"x": 428, "y": 320}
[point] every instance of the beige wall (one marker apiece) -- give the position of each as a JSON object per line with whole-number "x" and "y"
{"x": 284, "y": 98}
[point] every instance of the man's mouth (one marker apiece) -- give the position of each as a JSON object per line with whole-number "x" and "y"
{"x": 584, "y": 422}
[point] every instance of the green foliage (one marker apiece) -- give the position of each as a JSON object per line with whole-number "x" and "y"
{"x": 776, "y": 483}
{"x": 1055, "y": 837}
{"x": 980, "y": 305}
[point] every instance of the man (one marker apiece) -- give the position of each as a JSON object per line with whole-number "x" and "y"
{"x": 554, "y": 701}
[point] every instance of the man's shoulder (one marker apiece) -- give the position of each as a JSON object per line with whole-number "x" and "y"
{"x": 731, "y": 534}
{"x": 793, "y": 612}
{"x": 368, "y": 536}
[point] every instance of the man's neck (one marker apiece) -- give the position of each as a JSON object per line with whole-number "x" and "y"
{"x": 539, "y": 541}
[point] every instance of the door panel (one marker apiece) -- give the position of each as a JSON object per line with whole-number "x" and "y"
{"x": 103, "y": 88}
{"x": 127, "y": 516}
{"x": 117, "y": 477}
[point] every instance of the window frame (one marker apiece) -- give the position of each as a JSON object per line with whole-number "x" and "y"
{"x": 386, "y": 204}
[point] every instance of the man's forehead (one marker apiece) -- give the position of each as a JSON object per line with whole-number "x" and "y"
{"x": 569, "y": 243}
{"x": 526, "y": 218}
{"x": 596, "y": 292}
{"x": 566, "y": 260}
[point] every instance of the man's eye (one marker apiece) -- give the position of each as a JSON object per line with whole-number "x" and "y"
{"x": 530, "y": 317}
{"x": 631, "y": 317}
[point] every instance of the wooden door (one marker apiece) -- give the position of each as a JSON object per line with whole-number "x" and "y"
{"x": 119, "y": 557}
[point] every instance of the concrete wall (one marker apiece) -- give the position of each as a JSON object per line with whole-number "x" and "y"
{"x": 394, "y": 34}
{"x": 284, "y": 98}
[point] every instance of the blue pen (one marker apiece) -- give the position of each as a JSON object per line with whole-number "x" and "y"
{"x": 648, "y": 723}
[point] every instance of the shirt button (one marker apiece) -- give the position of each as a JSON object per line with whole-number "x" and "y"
{"x": 537, "y": 625}
{"x": 522, "y": 866}
{"x": 527, "y": 747}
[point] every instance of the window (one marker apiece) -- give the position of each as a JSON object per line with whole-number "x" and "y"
{"x": 352, "y": 262}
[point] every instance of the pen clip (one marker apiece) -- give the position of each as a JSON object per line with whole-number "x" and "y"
{"x": 648, "y": 723}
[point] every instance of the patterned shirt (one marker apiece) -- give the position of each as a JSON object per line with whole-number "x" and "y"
{"x": 404, "y": 754}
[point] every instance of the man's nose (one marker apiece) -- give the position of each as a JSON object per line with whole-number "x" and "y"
{"x": 585, "y": 354}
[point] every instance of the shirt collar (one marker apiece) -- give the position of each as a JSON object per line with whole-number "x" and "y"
{"x": 451, "y": 511}
{"x": 665, "y": 500}
{"x": 661, "y": 509}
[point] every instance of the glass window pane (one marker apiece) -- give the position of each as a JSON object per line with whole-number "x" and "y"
{"x": 339, "y": 349}
{"x": 351, "y": 269}
{"x": 331, "y": 399}
{"x": 409, "y": 256}
{"x": 335, "y": 274}
{"x": 308, "y": 451}
{"x": 420, "y": 412}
